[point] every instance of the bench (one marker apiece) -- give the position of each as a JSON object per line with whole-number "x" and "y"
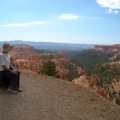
{"x": 0, "y": 80}
{"x": 3, "y": 81}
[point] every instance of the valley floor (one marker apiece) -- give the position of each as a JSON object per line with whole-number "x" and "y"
{"x": 48, "y": 98}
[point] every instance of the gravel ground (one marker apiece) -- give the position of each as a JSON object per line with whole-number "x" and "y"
{"x": 48, "y": 98}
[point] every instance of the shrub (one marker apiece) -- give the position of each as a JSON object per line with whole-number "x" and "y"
{"x": 49, "y": 68}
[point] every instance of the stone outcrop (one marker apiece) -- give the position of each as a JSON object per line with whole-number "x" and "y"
{"x": 23, "y": 48}
{"x": 82, "y": 81}
{"x": 108, "y": 48}
{"x": 91, "y": 82}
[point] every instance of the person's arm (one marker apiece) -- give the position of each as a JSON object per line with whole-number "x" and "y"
{"x": 5, "y": 68}
{"x": 12, "y": 63}
{"x": 11, "y": 67}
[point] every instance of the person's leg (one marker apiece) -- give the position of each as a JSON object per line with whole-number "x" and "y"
{"x": 18, "y": 84}
{"x": 14, "y": 83}
{"x": 0, "y": 80}
{"x": 14, "y": 79}
{"x": 18, "y": 73}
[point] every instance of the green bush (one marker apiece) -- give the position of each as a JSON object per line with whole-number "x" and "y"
{"x": 49, "y": 68}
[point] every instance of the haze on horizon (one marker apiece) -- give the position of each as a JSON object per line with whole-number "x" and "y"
{"x": 62, "y": 21}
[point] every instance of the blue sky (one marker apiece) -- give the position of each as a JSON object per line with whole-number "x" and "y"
{"x": 63, "y": 21}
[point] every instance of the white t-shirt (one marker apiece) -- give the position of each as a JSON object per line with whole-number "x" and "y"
{"x": 4, "y": 60}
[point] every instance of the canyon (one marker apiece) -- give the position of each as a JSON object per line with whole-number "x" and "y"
{"x": 29, "y": 60}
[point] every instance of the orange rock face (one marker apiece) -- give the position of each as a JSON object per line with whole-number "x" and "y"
{"x": 101, "y": 91}
{"x": 82, "y": 81}
{"x": 29, "y": 60}
{"x": 108, "y": 48}
{"x": 93, "y": 80}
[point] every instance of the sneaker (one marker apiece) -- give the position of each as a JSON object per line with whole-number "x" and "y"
{"x": 19, "y": 90}
{"x": 10, "y": 91}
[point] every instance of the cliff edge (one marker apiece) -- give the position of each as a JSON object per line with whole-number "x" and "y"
{"x": 48, "y": 98}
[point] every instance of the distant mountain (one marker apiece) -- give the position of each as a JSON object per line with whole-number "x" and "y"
{"x": 52, "y": 46}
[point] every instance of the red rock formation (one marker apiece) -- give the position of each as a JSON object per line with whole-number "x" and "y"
{"x": 28, "y": 60}
{"x": 100, "y": 91}
{"x": 114, "y": 57}
{"x": 93, "y": 80}
{"x": 80, "y": 71}
{"x": 108, "y": 48}
{"x": 82, "y": 81}
{"x": 23, "y": 48}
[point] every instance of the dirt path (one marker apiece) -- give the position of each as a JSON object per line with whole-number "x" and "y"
{"x": 47, "y": 98}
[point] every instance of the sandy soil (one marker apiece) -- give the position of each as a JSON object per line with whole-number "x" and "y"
{"x": 48, "y": 98}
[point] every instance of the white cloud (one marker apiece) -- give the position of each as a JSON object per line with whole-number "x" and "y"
{"x": 116, "y": 11}
{"x": 112, "y": 5}
{"x": 23, "y": 24}
{"x": 109, "y": 11}
{"x": 69, "y": 16}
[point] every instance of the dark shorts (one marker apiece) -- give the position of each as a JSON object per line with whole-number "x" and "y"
{"x": 10, "y": 79}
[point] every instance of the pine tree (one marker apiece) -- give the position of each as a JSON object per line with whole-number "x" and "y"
{"x": 49, "y": 68}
